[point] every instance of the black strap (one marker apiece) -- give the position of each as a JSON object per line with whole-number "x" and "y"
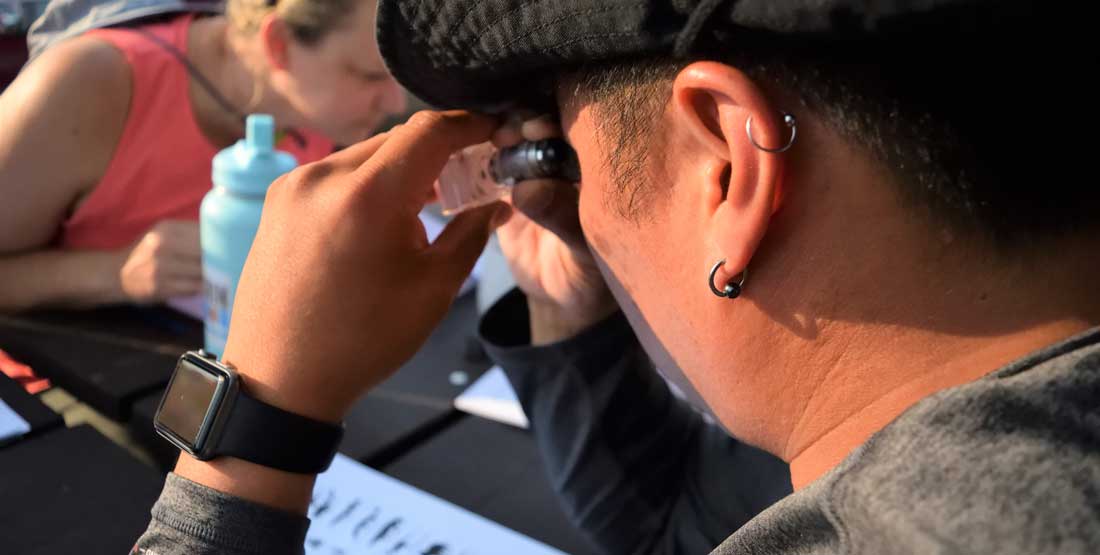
{"x": 269, "y": 436}
{"x": 204, "y": 82}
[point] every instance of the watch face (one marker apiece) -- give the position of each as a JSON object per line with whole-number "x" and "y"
{"x": 188, "y": 407}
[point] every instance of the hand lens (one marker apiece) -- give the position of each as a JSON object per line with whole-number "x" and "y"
{"x": 480, "y": 174}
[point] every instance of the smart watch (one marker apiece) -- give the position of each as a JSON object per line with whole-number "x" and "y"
{"x": 207, "y": 414}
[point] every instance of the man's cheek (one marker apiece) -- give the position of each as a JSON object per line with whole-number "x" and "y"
{"x": 603, "y": 234}
{"x": 589, "y": 209}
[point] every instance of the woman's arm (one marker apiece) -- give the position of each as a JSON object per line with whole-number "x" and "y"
{"x": 165, "y": 262}
{"x": 57, "y": 277}
{"x": 59, "y": 124}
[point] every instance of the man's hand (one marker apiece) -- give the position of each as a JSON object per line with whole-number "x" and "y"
{"x": 341, "y": 286}
{"x": 166, "y": 262}
{"x": 546, "y": 249}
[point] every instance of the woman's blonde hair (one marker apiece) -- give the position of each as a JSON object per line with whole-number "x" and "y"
{"x": 309, "y": 20}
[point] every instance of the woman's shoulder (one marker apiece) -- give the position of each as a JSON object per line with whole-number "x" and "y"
{"x": 75, "y": 97}
{"x": 151, "y": 39}
{"x": 82, "y": 70}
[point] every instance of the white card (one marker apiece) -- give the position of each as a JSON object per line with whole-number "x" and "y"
{"x": 357, "y": 510}
{"x": 492, "y": 397}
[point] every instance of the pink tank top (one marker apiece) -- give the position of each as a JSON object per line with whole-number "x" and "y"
{"x": 161, "y": 166}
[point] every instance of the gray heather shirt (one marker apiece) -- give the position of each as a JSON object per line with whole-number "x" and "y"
{"x": 1009, "y": 463}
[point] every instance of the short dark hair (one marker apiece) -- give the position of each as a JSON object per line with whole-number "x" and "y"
{"x": 944, "y": 119}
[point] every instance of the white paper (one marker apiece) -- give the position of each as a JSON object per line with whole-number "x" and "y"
{"x": 193, "y": 306}
{"x": 357, "y": 510}
{"x": 11, "y": 424}
{"x": 492, "y": 397}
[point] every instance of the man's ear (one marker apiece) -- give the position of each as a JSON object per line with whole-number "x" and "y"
{"x": 275, "y": 39}
{"x": 742, "y": 183}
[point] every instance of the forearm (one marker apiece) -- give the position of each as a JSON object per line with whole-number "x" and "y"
{"x": 637, "y": 470}
{"x": 609, "y": 432}
{"x": 229, "y": 505}
{"x": 59, "y": 278}
{"x": 286, "y": 491}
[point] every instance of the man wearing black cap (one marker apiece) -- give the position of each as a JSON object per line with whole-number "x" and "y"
{"x": 843, "y": 228}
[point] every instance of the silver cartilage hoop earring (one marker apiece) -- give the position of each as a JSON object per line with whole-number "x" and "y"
{"x": 788, "y": 120}
{"x": 733, "y": 289}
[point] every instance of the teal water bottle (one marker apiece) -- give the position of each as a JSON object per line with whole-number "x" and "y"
{"x": 230, "y": 216}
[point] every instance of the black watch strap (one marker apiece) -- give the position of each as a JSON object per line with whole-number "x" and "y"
{"x": 269, "y": 436}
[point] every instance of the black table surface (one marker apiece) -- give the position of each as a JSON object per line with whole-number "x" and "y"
{"x": 73, "y": 491}
{"x": 495, "y": 471}
{"x": 453, "y": 346}
{"x": 108, "y": 357}
{"x": 118, "y": 360}
{"x": 419, "y": 399}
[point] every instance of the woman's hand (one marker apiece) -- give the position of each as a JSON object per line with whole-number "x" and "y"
{"x": 166, "y": 262}
{"x": 341, "y": 286}
{"x": 546, "y": 249}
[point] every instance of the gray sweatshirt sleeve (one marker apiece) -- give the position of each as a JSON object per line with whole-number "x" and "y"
{"x": 193, "y": 519}
{"x": 637, "y": 470}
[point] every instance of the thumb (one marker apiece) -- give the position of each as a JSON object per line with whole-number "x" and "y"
{"x": 463, "y": 240}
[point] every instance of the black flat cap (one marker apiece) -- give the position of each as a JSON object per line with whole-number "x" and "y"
{"x": 485, "y": 54}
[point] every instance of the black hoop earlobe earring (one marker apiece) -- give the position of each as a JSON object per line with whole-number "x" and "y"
{"x": 733, "y": 289}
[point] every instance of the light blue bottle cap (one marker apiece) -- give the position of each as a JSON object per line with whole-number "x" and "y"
{"x": 250, "y": 166}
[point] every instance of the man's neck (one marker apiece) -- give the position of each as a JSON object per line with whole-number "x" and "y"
{"x": 901, "y": 306}
{"x": 857, "y": 399}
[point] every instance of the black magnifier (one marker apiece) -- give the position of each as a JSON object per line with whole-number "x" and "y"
{"x": 481, "y": 174}
{"x": 546, "y": 159}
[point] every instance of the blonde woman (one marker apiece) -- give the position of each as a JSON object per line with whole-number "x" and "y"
{"x": 106, "y": 139}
